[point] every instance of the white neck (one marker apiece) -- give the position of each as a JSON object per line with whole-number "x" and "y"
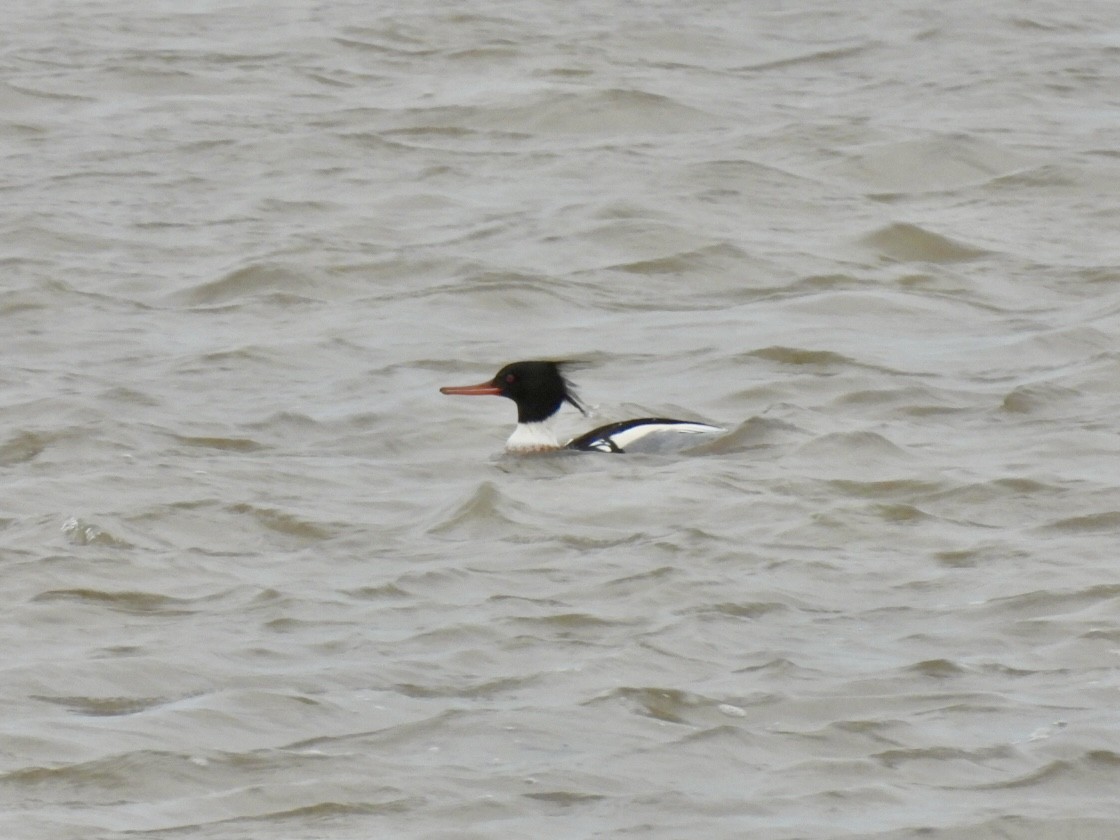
{"x": 532, "y": 437}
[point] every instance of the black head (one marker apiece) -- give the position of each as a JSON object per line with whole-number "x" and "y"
{"x": 538, "y": 388}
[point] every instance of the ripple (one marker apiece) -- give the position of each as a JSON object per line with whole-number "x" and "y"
{"x": 139, "y": 603}
{"x": 694, "y": 261}
{"x": 897, "y": 757}
{"x": 256, "y": 280}
{"x": 602, "y": 113}
{"x": 283, "y": 523}
{"x": 378, "y": 593}
{"x": 1046, "y": 773}
{"x": 1108, "y": 521}
{"x": 862, "y": 449}
{"x": 22, "y": 447}
{"x": 708, "y": 715}
{"x": 884, "y": 489}
{"x": 903, "y": 242}
{"x": 810, "y": 57}
{"x": 928, "y": 165}
{"x": 753, "y": 433}
{"x": 221, "y": 443}
{"x": 482, "y": 513}
{"x": 800, "y": 356}
{"x": 1046, "y": 602}
{"x": 468, "y": 690}
{"x": 669, "y": 705}
{"x": 914, "y": 401}
{"x": 107, "y": 706}
{"x": 566, "y": 798}
{"x": 937, "y": 668}
{"x": 1030, "y": 399}
{"x": 742, "y": 609}
{"x": 567, "y": 622}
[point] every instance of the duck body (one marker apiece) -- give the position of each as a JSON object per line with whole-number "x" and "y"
{"x": 647, "y": 434}
{"x": 540, "y": 389}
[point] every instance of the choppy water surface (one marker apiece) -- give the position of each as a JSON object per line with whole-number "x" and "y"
{"x": 262, "y": 580}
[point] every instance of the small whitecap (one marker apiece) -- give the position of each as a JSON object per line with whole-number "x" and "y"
{"x": 1047, "y": 731}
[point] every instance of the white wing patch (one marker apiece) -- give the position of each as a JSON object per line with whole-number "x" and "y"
{"x": 652, "y": 437}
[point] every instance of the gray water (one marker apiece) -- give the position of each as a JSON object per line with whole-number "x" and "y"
{"x": 262, "y": 580}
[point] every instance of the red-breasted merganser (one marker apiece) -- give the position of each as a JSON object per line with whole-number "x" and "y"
{"x": 540, "y": 389}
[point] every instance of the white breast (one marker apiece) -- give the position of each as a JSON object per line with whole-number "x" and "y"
{"x": 532, "y": 437}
